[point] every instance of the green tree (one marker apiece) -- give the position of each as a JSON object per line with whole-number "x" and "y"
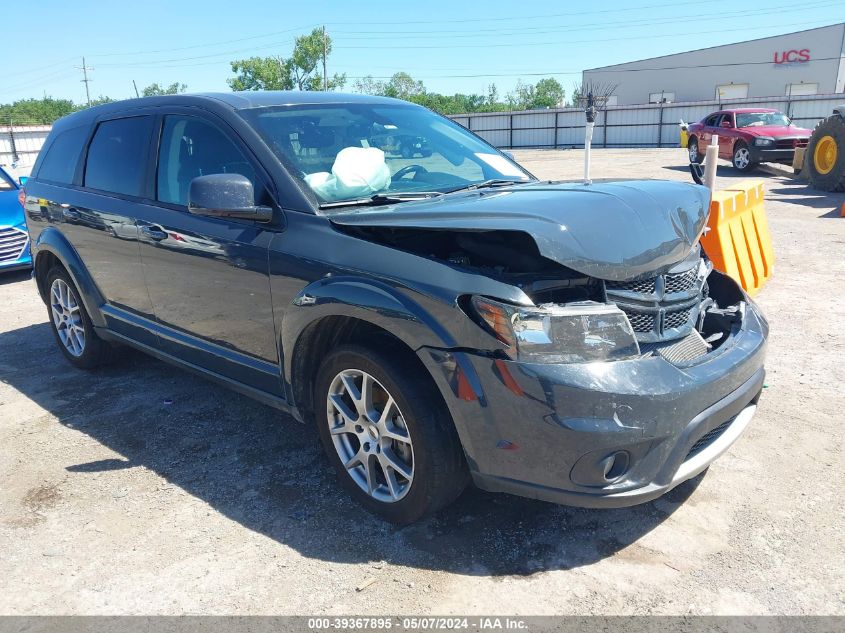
{"x": 97, "y": 101}
{"x": 306, "y": 62}
{"x": 35, "y": 111}
{"x": 548, "y": 93}
{"x": 302, "y": 71}
{"x": 402, "y": 86}
{"x": 368, "y": 86}
{"x": 154, "y": 90}
{"x": 261, "y": 73}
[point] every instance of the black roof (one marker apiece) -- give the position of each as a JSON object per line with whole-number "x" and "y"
{"x": 227, "y": 100}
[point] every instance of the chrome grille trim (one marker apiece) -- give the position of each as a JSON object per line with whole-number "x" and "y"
{"x": 664, "y": 307}
{"x": 13, "y": 241}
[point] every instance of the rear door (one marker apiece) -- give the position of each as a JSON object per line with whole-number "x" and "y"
{"x": 95, "y": 205}
{"x": 208, "y": 277}
{"x": 727, "y": 135}
{"x": 707, "y": 131}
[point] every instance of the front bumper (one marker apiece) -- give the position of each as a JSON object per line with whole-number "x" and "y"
{"x": 21, "y": 263}
{"x": 554, "y": 432}
{"x": 763, "y": 155}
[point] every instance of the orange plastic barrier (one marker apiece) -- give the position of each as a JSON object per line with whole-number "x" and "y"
{"x": 738, "y": 242}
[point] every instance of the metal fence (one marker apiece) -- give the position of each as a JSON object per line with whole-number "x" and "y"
{"x": 651, "y": 125}
{"x": 21, "y": 143}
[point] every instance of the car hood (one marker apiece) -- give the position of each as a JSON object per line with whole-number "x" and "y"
{"x": 776, "y": 131}
{"x": 11, "y": 213}
{"x": 612, "y": 230}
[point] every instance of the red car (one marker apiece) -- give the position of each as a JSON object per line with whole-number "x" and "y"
{"x": 747, "y": 137}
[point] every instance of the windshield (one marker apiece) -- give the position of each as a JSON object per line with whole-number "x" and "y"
{"x": 353, "y": 151}
{"x": 757, "y": 119}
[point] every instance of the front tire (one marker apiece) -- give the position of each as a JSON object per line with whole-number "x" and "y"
{"x": 388, "y": 433}
{"x": 825, "y": 155}
{"x": 694, "y": 155}
{"x": 71, "y": 325}
{"x": 742, "y": 158}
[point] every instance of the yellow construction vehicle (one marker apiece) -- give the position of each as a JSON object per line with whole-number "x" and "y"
{"x": 824, "y": 158}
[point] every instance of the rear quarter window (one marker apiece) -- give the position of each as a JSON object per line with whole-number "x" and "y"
{"x": 117, "y": 156}
{"x": 60, "y": 161}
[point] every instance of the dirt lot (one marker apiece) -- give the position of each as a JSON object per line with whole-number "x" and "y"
{"x": 143, "y": 489}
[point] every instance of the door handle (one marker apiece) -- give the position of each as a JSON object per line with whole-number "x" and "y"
{"x": 153, "y": 234}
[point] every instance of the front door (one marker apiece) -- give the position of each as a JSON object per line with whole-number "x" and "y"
{"x": 208, "y": 277}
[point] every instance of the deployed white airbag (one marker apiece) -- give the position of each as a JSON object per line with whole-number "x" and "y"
{"x": 357, "y": 172}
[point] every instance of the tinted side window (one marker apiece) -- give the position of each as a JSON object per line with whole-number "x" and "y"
{"x": 59, "y": 164}
{"x": 191, "y": 147}
{"x": 117, "y": 155}
{"x": 711, "y": 120}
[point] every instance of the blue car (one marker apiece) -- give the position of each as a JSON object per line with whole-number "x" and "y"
{"x": 14, "y": 239}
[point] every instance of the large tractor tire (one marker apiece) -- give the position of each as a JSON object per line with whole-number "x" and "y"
{"x": 825, "y": 157}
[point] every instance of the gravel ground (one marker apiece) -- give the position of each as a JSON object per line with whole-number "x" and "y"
{"x": 141, "y": 489}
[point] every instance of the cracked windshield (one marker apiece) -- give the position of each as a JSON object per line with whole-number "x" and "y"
{"x": 350, "y": 152}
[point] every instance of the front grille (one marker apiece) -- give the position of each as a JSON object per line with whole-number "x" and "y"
{"x": 681, "y": 282}
{"x": 664, "y": 307}
{"x": 708, "y": 438}
{"x": 640, "y": 322}
{"x": 790, "y": 143}
{"x": 12, "y": 243}
{"x": 672, "y": 320}
{"x": 641, "y": 286}
{"x": 683, "y": 350}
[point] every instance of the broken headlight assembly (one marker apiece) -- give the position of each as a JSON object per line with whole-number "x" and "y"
{"x": 581, "y": 332}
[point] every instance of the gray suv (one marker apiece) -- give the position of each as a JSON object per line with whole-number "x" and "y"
{"x": 441, "y": 318}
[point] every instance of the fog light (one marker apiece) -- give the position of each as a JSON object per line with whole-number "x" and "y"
{"x": 615, "y": 465}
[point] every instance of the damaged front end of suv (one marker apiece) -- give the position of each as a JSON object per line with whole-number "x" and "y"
{"x": 618, "y": 365}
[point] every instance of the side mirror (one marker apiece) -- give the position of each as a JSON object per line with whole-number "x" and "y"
{"x": 226, "y": 196}
{"x": 23, "y": 180}
{"x": 726, "y": 124}
{"x": 509, "y": 154}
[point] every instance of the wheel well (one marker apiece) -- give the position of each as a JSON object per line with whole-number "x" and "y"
{"x": 318, "y": 340}
{"x": 43, "y": 264}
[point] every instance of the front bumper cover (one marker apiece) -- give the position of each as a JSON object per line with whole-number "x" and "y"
{"x": 545, "y": 431}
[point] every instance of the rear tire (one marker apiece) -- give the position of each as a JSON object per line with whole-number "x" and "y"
{"x": 742, "y": 158}
{"x": 399, "y": 456}
{"x": 825, "y": 156}
{"x": 71, "y": 325}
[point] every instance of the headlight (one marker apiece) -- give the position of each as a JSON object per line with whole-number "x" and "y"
{"x": 764, "y": 140}
{"x": 570, "y": 333}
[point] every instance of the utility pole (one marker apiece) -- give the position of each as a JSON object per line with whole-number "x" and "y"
{"x": 15, "y": 157}
{"x": 134, "y": 85}
{"x": 325, "y": 52}
{"x": 85, "y": 80}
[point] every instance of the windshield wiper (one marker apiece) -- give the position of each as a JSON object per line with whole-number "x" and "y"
{"x": 381, "y": 198}
{"x": 492, "y": 182}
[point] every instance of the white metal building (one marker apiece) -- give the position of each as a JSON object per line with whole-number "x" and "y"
{"x": 796, "y": 64}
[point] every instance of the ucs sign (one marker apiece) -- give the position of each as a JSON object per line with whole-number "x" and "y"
{"x": 787, "y": 57}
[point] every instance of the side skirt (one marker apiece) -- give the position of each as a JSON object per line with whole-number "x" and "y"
{"x": 251, "y": 392}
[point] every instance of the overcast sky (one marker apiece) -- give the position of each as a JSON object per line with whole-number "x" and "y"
{"x": 452, "y": 46}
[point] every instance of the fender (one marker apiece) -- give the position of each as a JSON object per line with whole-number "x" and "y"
{"x": 51, "y": 240}
{"x": 374, "y": 302}
{"x": 365, "y": 299}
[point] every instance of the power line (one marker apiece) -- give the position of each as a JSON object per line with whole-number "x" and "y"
{"x": 589, "y": 41}
{"x": 535, "y": 30}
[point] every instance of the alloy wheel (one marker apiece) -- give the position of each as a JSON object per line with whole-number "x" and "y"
{"x": 67, "y": 317}
{"x": 370, "y": 435}
{"x": 742, "y": 158}
{"x": 693, "y": 152}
